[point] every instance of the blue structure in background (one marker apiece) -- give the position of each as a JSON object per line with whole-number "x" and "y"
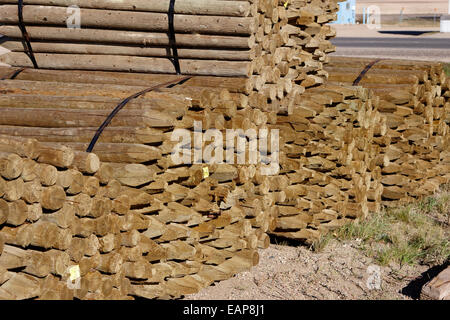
{"x": 347, "y": 12}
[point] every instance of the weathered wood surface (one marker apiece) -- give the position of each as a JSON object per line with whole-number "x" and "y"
{"x": 203, "y": 7}
{"x": 438, "y": 288}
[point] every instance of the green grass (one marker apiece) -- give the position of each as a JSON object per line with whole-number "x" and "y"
{"x": 321, "y": 244}
{"x": 415, "y": 234}
{"x": 447, "y": 69}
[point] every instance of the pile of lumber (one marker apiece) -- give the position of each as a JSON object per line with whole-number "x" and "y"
{"x": 446, "y": 94}
{"x": 328, "y": 162}
{"x": 308, "y": 20}
{"x": 414, "y": 98}
{"x": 134, "y": 221}
{"x": 187, "y": 225}
{"x": 47, "y": 193}
{"x": 277, "y": 47}
{"x": 348, "y": 148}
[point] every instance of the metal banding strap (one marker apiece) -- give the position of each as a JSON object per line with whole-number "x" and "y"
{"x": 13, "y": 75}
{"x": 363, "y": 73}
{"x": 124, "y": 102}
{"x": 172, "y": 41}
{"x": 25, "y": 37}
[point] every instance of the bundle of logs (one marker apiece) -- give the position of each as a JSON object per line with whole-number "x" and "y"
{"x": 182, "y": 225}
{"x": 414, "y": 98}
{"x": 328, "y": 162}
{"x": 278, "y": 47}
{"x": 351, "y": 146}
{"x": 47, "y": 193}
{"x": 163, "y": 206}
{"x": 334, "y": 147}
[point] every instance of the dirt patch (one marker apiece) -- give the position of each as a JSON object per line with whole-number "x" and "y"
{"x": 340, "y": 271}
{"x": 390, "y": 255}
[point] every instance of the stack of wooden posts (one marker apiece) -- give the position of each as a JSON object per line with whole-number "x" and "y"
{"x": 308, "y": 20}
{"x": 348, "y": 148}
{"x": 276, "y": 46}
{"x": 189, "y": 224}
{"x": 328, "y": 162}
{"x": 446, "y": 95}
{"x": 54, "y": 214}
{"x": 136, "y": 222}
{"x": 413, "y": 95}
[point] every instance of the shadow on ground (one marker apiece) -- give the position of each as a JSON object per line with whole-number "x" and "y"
{"x": 407, "y": 32}
{"x": 278, "y": 240}
{"x": 414, "y": 288}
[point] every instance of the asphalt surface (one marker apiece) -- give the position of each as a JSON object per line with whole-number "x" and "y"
{"x": 382, "y": 43}
{"x": 393, "y": 47}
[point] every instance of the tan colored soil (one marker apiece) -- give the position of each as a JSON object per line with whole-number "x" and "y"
{"x": 341, "y": 271}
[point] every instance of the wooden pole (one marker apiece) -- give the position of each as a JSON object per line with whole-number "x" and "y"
{"x": 125, "y": 20}
{"x": 194, "y": 7}
{"x": 129, "y": 37}
{"x": 139, "y": 51}
{"x": 130, "y": 63}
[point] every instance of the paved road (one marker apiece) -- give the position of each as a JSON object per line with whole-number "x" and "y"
{"x": 382, "y": 43}
{"x": 395, "y": 48}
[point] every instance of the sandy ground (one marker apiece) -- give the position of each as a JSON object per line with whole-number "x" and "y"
{"x": 341, "y": 271}
{"x": 388, "y": 31}
{"x": 408, "y": 6}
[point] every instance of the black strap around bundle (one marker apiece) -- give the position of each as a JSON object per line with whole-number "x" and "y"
{"x": 363, "y": 73}
{"x": 172, "y": 40}
{"x": 25, "y": 37}
{"x": 13, "y": 75}
{"x": 120, "y": 106}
